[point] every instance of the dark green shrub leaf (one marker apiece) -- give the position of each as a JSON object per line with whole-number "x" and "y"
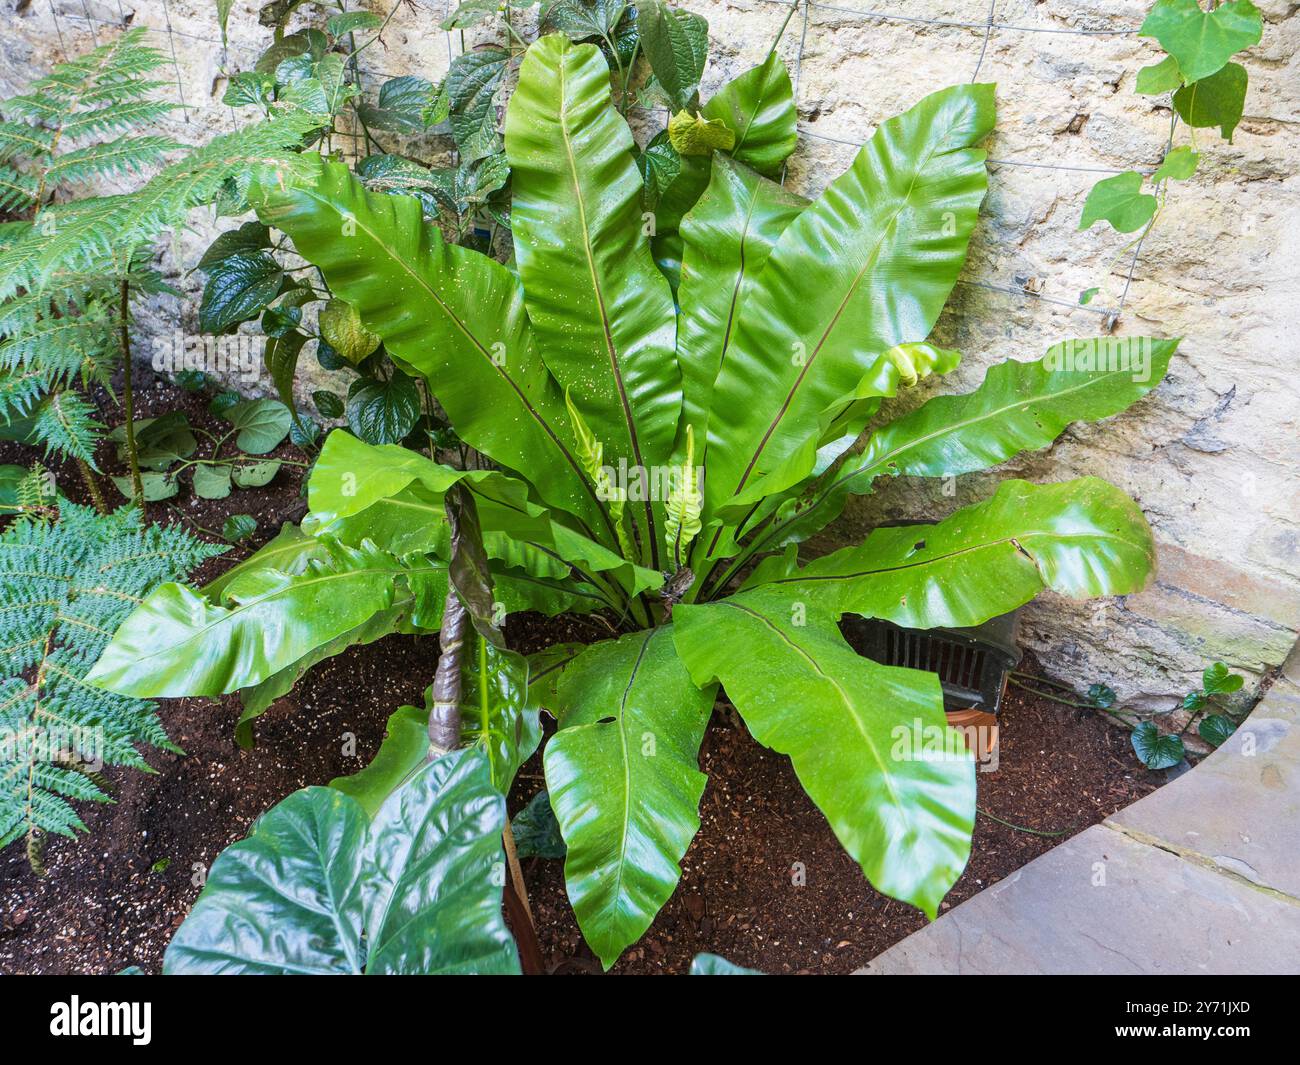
{"x": 285, "y": 315}
{"x": 238, "y": 527}
{"x": 597, "y": 21}
{"x": 1193, "y": 701}
{"x": 537, "y": 833}
{"x": 281, "y": 361}
{"x": 304, "y": 432}
{"x": 294, "y": 44}
{"x": 402, "y": 107}
{"x": 659, "y": 165}
{"x": 472, "y": 85}
{"x": 383, "y": 412}
{"x": 250, "y": 237}
{"x": 329, "y": 404}
{"x": 328, "y": 358}
{"x": 676, "y": 43}
{"x": 1216, "y": 728}
{"x": 192, "y": 380}
{"x": 1154, "y": 750}
{"x": 238, "y": 287}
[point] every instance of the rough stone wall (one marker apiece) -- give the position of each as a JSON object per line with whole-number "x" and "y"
{"x": 1211, "y": 456}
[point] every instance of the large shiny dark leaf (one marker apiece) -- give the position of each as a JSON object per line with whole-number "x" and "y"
{"x": 179, "y": 643}
{"x": 421, "y": 883}
{"x": 1020, "y": 406}
{"x": 728, "y": 236}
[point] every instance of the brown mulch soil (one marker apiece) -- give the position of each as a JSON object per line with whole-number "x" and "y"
{"x": 113, "y": 898}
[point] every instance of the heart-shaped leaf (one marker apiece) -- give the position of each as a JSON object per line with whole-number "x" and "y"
{"x": 1216, "y": 728}
{"x": 1120, "y": 201}
{"x": 383, "y": 412}
{"x": 262, "y": 424}
{"x": 255, "y": 474}
{"x": 238, "y": 287}
{"x": 212, "y": 482}
{"x": 1156, "y": 751}
{"x": 1218, "y": 100}
{"x": 1202, "y": 41}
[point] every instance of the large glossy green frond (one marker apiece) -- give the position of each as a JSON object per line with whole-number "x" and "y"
{"x": 624, "y": 781}
{"x": 374, "y": 483}
{"x": 869, "y": 265}
{"x": 453, "y": 315}
{"x": 1020, "y": 406}
{"x": 727, "y": 237}
{"x": 1080, "y": 538}
{"x": 179, "y": 643}
{"x": 862, "y": 737}
{"x": 602, "y": 311}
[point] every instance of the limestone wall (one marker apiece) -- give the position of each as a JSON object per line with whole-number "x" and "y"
{"x": 1211, "y": 456}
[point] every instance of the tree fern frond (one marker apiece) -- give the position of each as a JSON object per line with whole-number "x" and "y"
{"x": 65, "y": 586}
{"x": 65, "y": 423}
{"x": 22, "y": 139}
{"x": 103, "y": 230}
{"x": 119, "y": 90}
{"x": 19, "y": 392}
{"x": 124, "y": 155}
{"x": 18, "y": 191}
{"x": 60, "y": 345}
{"x": 115, "y": 118}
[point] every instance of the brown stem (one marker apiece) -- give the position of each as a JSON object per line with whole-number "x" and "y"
{"x": 92, "y": 486}
{"x": 516, "y": 873}
{"x": 444, "y": 716}
{"x": 128, "y": 393}
{"x": 519, "y": 913}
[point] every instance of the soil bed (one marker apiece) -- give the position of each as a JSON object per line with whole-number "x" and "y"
{"x": 114, "y": 898}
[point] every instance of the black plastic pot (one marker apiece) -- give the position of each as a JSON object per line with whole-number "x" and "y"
{"x": 972, "y": 664}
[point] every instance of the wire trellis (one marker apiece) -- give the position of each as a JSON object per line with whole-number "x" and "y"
{"x": 988, "y": 28}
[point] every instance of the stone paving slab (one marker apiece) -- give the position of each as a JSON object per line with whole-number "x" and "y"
{"x": 1105, "y": 903}
{"x": 1239, "y": 810}
{"x": 1201, "y": 876}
